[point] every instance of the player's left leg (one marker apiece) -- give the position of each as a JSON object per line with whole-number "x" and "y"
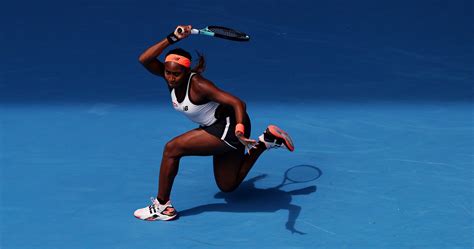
{"x": 194, "y": 142}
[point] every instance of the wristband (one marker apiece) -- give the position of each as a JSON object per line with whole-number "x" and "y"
{"x": 172, "y": 38}
{"x": 240, "y": 128}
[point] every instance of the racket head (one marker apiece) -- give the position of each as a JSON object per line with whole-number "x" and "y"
{"x": 228, "y": 33}
{"x": 302, "y": 173}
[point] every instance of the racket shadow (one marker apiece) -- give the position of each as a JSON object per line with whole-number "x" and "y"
{"x": 250, "y": 199}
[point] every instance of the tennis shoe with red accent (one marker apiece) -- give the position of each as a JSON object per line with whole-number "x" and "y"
{"x": 156, "y": 211}
{"x": 274, "y": 137}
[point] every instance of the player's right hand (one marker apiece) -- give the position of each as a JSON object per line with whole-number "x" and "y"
{"x": 182, "y": 31}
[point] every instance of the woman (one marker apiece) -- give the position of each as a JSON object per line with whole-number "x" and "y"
{"x": 223, "y": 132}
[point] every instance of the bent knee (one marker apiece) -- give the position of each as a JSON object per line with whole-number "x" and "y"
{"x": 227, "y": 188}
{"x": 172, "y": 149}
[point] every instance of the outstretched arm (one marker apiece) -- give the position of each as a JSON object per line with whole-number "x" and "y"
{"x": 148, "y": 58}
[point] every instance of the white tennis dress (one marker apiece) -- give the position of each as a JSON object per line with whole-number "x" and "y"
{"x": 200, "y": 114}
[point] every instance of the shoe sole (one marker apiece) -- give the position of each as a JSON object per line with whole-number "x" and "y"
{"x": 277, "y": 132}
{"x": 156, "y": 219}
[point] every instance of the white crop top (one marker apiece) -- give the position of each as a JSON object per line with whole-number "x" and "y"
{"x": 201, "y": 114}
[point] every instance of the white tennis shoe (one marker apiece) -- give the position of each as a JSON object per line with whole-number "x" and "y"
{"x": 156, "y": 211}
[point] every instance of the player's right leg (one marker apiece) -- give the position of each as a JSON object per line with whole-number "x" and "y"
{"x": 231, "y": 168}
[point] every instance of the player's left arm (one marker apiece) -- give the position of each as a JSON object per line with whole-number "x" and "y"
{"x": 211, "y": 92}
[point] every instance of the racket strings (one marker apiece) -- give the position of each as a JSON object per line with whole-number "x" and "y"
{"x": 226, "y": 32}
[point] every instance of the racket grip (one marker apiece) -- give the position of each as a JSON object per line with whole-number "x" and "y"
{"x": 193, "y": 31}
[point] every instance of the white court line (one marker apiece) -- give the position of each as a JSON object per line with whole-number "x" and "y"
{"x": 425, "y": 162}
{"x": 320, "y": 228}
{"x": 462, "y": 207}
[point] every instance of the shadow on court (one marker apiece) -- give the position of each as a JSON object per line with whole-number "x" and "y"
{"x": 249, "y": 199}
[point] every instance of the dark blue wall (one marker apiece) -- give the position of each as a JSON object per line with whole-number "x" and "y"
{"x": 87, "y": 50}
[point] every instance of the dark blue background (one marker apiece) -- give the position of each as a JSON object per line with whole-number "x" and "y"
{"x": 83, "y": 124}
{"x": 86, "y": 51}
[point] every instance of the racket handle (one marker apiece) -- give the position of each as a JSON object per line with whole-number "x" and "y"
{"x": 193, "y": 31}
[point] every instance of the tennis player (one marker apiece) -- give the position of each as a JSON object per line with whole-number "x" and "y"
{"x": 223, "y": 132}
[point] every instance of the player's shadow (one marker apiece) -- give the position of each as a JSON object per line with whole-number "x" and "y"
{"x": 248, "y": 198}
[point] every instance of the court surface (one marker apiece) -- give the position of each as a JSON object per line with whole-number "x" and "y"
{"x": 393, "y": 176}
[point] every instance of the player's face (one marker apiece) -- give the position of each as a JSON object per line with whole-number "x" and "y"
{"x": 175, "y": 74}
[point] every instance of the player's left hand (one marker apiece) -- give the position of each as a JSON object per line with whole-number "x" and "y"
{"x": 247, "y": 142}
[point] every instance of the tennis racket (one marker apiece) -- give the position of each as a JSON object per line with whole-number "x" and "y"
{"x": 300, "y": 174}
{"x": 220, "y": 32}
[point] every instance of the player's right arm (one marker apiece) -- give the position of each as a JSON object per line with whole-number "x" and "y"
{"x": 150, "y": 62}
{"x": 149, "y": 58}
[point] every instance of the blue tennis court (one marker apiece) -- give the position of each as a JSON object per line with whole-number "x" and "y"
{"x": 378, "y": 99}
